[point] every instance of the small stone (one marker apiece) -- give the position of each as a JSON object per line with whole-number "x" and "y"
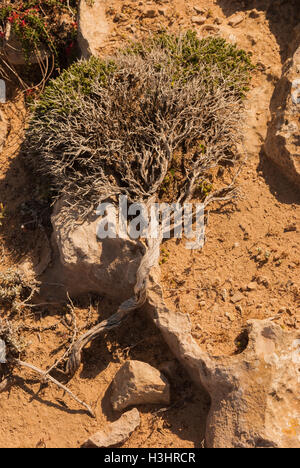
{"x": 239, "y": 309}
{"x": 291, "y": 228}
{"x": 138, "y": 383}
{"x": 197, "y": 335}
{"x": 218, "y": 21}
{"x": 236, "y": 20}
{"x": 117, "y": 432}
{"x": 202, "y": 303}
{"x": 229, "y": 316}
{"x": 150, "y": 13}
{"x": 210, "y": 28}
{"x": 198, "y": 19}
{"x": 200, "y": 10}
{"x": 217, "y": 282}
{"x": 238, "y": 297}
{"x": 263, "y": 280}
{"x": 282, "y": 310}
{"x": 252, "y": 286}
{"x": 224, "y": 294}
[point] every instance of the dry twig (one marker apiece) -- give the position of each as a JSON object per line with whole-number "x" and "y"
{"x": 47, "y": 377}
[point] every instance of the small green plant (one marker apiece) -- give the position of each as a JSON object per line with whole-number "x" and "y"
{"x": 205, "y": 188}
{"x": 164, "y": 256}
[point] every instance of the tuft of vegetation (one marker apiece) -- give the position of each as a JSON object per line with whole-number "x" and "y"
{"x": 14, "y": 290}
{"x": 46, "y": 34}
{"x": 10, "y": 333}
{"x": 152, "y": 120}
{"x": 33, "y": 22}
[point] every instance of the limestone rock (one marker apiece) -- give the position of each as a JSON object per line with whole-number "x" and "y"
{"x": 283, "y": 143}
{"x": 255, "y": 395}
{"x": 82, "y": 263}
{"x": 200, "y": 11}
{"x": 138, "y": 383}
{"x": 117, "y": 432}
{"x": 255, "y": 399}
{"x": 93, "y": 27}
{"x": 235, "y": 20}
{"x": 238, "y": 297}
{"x": 198, "y": 19}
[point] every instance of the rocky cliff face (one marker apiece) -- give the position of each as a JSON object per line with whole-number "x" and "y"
{"x": 283, "y": 141}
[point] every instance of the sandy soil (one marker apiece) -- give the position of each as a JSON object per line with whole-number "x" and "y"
{"x": 249, "y": 267}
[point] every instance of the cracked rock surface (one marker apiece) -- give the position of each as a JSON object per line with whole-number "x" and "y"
{"x": 283, "y": 143}
{"x": 254, "y": 395}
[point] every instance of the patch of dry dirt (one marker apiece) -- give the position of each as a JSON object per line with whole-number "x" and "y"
{"x": 249, "y": 267}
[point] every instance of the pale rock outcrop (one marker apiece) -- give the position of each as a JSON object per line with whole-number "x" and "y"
{"x": 255, "y": 399}
{"x": 283, "y": 139}
{"x": 117, "y": 432}
{"x": 138, "y": 383}
{"x": 93, "y": 27}
{"x": 83, "y": 263}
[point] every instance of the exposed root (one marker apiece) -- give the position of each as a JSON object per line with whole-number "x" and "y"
{"x": 112, "y": 322}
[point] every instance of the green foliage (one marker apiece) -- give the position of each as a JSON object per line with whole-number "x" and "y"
{"x": 191, "y": 53}
{"x": 62, "y": 93}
